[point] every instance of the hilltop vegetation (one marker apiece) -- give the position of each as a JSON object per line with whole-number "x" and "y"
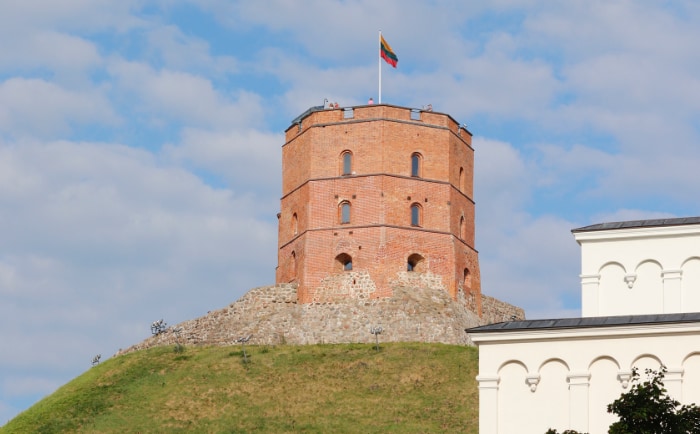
{"x": 350, "y": 388}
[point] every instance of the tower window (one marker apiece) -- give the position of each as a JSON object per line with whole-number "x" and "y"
{"x": 295, "y": 224}
{"x": 462, "y": 228}
{"x": 416, "y": 164}
{"x": 467, "y": 279}
{"x": 344, "y": 212}
{"x": 415, "y": 215}
{"x": 415, "y": 263}
{"x": 346, "y": 158}
{"x": 462, "y": 187}
{"x": 343, "y": 262}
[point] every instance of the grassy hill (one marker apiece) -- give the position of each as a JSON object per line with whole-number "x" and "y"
{"x": 346, "y": 388}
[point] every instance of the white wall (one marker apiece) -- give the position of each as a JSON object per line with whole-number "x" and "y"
{"x": 636, "y": 271}
{"x": 531, "y": 380}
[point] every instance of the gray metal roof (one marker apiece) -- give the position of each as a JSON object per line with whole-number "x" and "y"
{"x": 600, "y": 321}
{"x": 316, "y": 108}
{"x": 640, "y": 224}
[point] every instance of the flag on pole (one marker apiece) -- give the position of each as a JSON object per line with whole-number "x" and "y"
{"x": 387, "y": 53}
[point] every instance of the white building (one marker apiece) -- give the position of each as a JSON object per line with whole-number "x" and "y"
{"x": 641, "y": 297}
{"x": 640, "y": 267}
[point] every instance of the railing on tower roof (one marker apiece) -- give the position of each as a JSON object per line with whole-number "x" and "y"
{"x": 321, "y": 115}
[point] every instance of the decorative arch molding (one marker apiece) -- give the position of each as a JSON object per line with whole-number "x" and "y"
{"x": 603, "y": 358}
{"x": 554, "y": 360}
{"x": 689, "y": 355}
{"x": 611, "y": 264}
{"x": 648, "y": 261}
{"x": 691, "y": 377}
{"x": 645, "y": 356}
{"x": 512, "y": 362}
{"x": 688, "y": 259}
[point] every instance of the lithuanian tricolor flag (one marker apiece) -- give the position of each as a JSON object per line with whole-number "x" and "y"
{"x": 387, "y": 53}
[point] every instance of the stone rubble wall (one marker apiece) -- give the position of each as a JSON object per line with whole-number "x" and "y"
{"x": 270, "y": 315}
{"x": 494, "y": 310}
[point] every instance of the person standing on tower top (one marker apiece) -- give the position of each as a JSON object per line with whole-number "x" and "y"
{"x": 371, "y": 101}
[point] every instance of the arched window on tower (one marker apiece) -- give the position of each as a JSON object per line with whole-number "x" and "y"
{"x": 344, "y": 211}
{"x": 415, "y": 263}
{"x": 343, "y": 262}
{"x": 346, "y": 162}
{"x": 462, "y": 228}
{"x": 416, "y": 215}
{"x": 295, "y": 224}
{"x": 467, "y": 280}
{"x": 462, "y": 185}
{"x": 416, "y": 164}
{"x": 294, "y": 265}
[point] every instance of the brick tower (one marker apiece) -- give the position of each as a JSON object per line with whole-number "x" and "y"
{"x": 373, "y": 197}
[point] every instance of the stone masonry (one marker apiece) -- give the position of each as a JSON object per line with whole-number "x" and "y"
{"x": 271, "y": 315}
{"x": 376, "y": 229}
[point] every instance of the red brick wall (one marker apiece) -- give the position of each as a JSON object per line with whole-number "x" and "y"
{"x": 380, "y": 189}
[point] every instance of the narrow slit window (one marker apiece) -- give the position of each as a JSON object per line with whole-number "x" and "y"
{"x": 347, "y": 163}
{"x": 345, "y": 212}
{"x": 415, "y": 165}
{"x": 415, "y": 215}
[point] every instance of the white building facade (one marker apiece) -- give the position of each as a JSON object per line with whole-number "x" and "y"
{"x": 562, "y": 373}
{"x": 640, "y": 267}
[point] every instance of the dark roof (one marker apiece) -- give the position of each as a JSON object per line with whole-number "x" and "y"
{"x": 640, "y": 224}
{"x": 588, "y": 322}
{"x": 316, "y": 108}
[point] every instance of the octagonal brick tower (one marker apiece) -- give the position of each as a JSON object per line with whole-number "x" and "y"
{"x": 373, "y": 197}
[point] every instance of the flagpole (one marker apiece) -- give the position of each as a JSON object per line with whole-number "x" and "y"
{"x": 379, "y": 100}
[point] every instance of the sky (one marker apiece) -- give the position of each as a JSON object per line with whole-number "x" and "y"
{"x": 140, "y": 146}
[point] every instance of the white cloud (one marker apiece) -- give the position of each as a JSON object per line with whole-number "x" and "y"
{"x": 530, "y": 261}
{"x": 243, "y": 157}
{"x": 60, "y": 53}
{"x": 71, "y": 15}
{"x": 187, "y": 53}
{"x": 41, "y": 108}
{"x": 103, "y": 239}
{"x": 167, "y": 95}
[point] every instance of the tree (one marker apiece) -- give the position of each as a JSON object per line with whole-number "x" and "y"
{"x": 647, "y": 409}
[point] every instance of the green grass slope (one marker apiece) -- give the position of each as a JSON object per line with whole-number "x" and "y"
{"x": 350, "y": 388}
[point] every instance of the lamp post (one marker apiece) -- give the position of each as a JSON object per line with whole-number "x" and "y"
{"x": 242, "y": 340}
{"x": 376, "y": 331}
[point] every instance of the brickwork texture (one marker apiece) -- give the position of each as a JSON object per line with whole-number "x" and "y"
{"x": 376, "y": 229}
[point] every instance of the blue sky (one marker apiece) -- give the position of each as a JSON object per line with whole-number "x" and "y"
{"x": 140, "y": 146}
